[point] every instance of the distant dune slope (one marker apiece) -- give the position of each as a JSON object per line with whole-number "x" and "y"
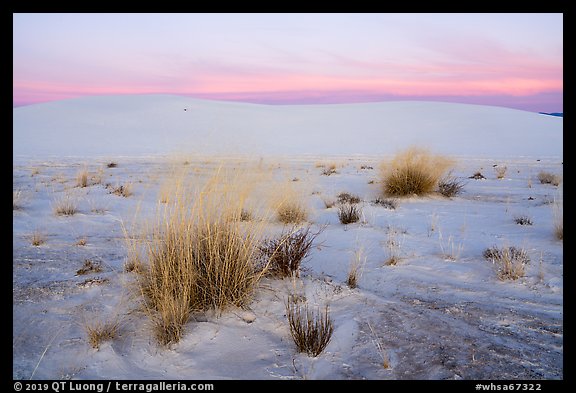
{"x": 165, "y": 124}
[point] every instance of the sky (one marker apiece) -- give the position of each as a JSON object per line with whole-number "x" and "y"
{"x": 511, "y": 59}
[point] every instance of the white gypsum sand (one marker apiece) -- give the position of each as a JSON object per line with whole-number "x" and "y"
{"x": 441, "y": 312}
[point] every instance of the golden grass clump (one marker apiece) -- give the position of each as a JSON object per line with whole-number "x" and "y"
{"x": 292, "y": 212}
{"x": 414, "y": 171}
{"x": 98, "y": 332}
{"x": 201, "y": 256}
{"x": 509, "y": 262}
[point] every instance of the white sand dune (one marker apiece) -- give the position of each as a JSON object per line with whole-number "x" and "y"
{"x": 159, "y": 124}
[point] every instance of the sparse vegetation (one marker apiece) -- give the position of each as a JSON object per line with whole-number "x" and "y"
{"x": 283, "y": 255}
{"x": 388, "y": 203}
{"x": 245, "y": 215}
{"x": 558, "y": 214}
{"x": 500, "y": 171}
{"x": 65, "y": 205}
{"x": 450, "y": 186}
{"x": 311, "y": 331}
{"x": 449, "y": 249}
{"x": 393, "y": 245}
{"x": 381, "y": 351}
{"x": 99, "y": 332}
{"x": 329, "y": 170}
{"x": 510, "y": 262}
{"x": 123, "y": 190}
{"x": 348, "y": 213}
{"x": 17, "y": 199}
{"x": 328, "y": 203}
{"x": 89, "y": 267}
{"x": 413, "y": 172}
{"x": 346, "y": 197}
{"x": 356, "y": 265}
{"x": 291, "y": 212}
{"x": 82, "y": 178}
{"x": 37, "y": 238}
{"x": 523, "y": 220}
{"x": 549, "y": 178}
{"x": 477, "y": 176}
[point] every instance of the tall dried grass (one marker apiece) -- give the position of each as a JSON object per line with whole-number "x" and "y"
{"x": 200, "y": 256}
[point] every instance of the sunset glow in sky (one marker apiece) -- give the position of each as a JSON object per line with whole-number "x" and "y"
{"x": 511, "y": 60}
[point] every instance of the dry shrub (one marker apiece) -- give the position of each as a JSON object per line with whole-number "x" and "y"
{"x": 284, "y": 254}
{"x": 346, "y": 197}
{"x": 477, "y": 176}
{"x": 549, "y": 178}
{"x": 311, "y": 331}
{"x": 348, "y": 213}
{"x": 413, "y": 172}
{"x": 388, "y": 203}
{"x": 523, "y": 220}
{"x": 510, "y": 262}
{"x": 449, "y": 186}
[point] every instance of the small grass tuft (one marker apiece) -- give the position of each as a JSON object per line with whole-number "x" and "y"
{"x": 393, "y": 245}
{"x": 329, "y": 170}
{"x": 66, "y": 206}
{"x": 291, "y": 213}
{"x": 37, "y": 238}
{"x": 89, "y": 267}
{"x": 355, "y": 268}
{"x": 500, "y": 171}
{"x": 99, "y": 332}
{"x": 82, "y": 178}
{"x": 510, "y": 262}
{"x": 549, "y": 178}
{"x": 123, "y": 190}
